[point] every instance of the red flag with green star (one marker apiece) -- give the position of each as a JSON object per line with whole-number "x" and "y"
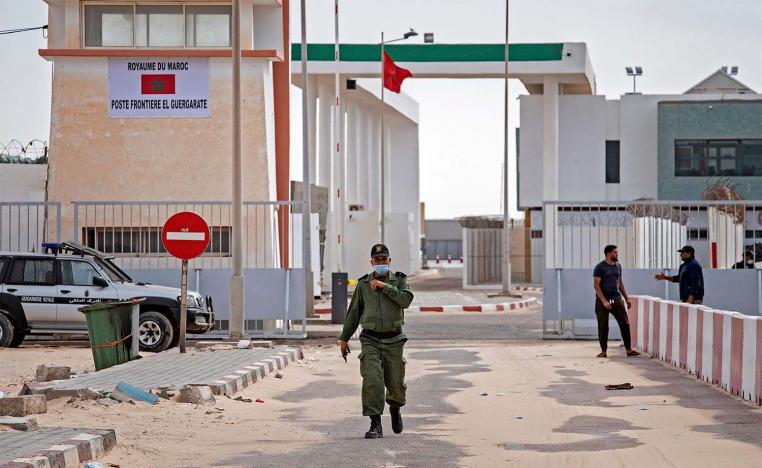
{"x": 157, "y": 84}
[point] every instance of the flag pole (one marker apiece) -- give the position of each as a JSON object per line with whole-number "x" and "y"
{"x": 383, "y": 175}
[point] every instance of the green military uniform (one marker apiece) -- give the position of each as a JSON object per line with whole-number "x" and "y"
{"x": 381, "y": 314}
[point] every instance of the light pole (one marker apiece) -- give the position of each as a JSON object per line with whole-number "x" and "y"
{"x": 506, "y": 210}
{"x": 236, "y": 281}
{"x": 405, "y": 36}
{"x": 306, "y": 190}
{"x": 634, "y": 72}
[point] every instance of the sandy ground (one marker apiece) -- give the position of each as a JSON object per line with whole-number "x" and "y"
{"x": 553, "y": 412}
{"x": 19, "y": 365}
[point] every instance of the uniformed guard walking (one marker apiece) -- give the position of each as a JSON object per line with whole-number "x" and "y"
{"x": 378, "y": 304}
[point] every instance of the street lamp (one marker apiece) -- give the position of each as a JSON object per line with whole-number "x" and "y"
{"x": 634, "y": 72}
{"x": 405, "y": 36}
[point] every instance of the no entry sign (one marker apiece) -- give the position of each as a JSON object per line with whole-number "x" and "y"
{"x": 185, "y": 235}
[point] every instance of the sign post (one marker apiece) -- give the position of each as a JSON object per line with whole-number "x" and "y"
{"x": 185, "y": 235}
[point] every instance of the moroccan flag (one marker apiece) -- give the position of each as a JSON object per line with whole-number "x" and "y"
{"x": 157, "y": 84}
{"x": 394, "y": 75}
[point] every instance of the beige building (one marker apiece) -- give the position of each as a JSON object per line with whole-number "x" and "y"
{"x": 142, "y": 108}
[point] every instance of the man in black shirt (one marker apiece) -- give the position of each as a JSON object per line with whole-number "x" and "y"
{"x": 610, "y": 297}
{"x": 690, "y": 276}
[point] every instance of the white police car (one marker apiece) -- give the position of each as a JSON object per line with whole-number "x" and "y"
{"x": 41, "y": 293}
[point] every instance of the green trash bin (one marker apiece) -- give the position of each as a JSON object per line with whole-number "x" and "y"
{"x": 109, "y": 325}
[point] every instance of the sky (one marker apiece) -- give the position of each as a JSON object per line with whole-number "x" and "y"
{"x": 677, "y": 42}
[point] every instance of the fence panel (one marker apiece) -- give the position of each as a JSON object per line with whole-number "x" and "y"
{"x": 131, "y": 232}
{"x": 25, "y": 226}
{"x": 727, "y": 235}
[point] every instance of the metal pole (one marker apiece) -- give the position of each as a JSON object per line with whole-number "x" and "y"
{"x": 236, "y": 280}
{"x": 135, "y": 327}
{"x": 306, "y": 188}
{"x": 183, "y": 305}
{"x": 338, "y": 159}
{"x": 383, "y": 165}
{"x": 506, "y": 210}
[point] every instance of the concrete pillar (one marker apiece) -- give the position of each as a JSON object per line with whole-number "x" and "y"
{"x": 550, "y": 168}
{"x": 550, "y": 139}
{"x": 325, "y": 108}
{"x": 364, "y": 142}
{"x": 372, "y": 174}
{"x": 352, "y": 151}
{"x": 388, "y": 148}
{"x": 312, "y": 93}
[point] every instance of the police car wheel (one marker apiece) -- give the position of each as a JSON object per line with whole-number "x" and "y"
{"x": 6, "y": 331}
{"x": 155, "y": 331}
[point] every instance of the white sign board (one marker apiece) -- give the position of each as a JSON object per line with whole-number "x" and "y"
{"x": 151, "y": 87}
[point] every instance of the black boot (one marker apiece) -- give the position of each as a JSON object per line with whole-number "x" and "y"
{"x": 396, "y": 419}
{"x": 375, "y": 431}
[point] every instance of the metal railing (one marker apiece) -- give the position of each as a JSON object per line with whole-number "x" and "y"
{"x": 131, "y": 231}
{"x": 649, "y": 233}
{"x": 25, "y": 226}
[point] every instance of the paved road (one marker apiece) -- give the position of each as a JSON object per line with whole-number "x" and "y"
{"x": 553, "y": 412}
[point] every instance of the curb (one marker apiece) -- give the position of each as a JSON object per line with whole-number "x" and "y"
{"x": 74, "y": 452}
{"x": 504, "y": 307}
{"x": 242, "y": 378}
{"x": 463, "y": 308}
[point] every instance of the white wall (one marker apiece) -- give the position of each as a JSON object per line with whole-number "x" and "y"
{"x": 585, "y": 123}
{"x": 23, "y": 182}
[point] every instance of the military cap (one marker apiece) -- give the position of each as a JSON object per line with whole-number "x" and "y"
{"x": 379, "y": 250}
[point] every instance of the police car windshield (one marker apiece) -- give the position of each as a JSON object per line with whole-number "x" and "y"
{"x": 113, "y": 271}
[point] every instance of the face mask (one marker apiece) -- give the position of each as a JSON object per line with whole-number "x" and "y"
{"x": 381, "y": 269}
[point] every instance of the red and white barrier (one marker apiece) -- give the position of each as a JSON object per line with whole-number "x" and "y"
{"x": 717, "y": 346}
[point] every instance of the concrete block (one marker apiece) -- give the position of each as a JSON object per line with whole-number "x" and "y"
{"x": 48, "y": 373}
{"x": 54, "y": 393}
{"x": 197, "y": 395}
{"x": 35, "y": 462}
{"x": 221, "y": 345}
{"x": 70, "y": 453}
{"x": 96, "y": 444}
{"x": 23, "y": 405}
{"x": 25, "y": 424}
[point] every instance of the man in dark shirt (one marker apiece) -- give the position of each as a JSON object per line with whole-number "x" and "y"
{"x": 690, "y": 276}
{"x": 610, "y": 297}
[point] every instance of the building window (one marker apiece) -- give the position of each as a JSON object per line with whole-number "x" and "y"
{"x": 695, "y": 234}
{"x": 175, "y": 25}
{"x": 109, "y": 25}
{"x": 146, "y": 241}
{"x": 159, "y": 26}
{"x": 754, "y": 234}
{"x": 751, "y": 158}
{"x": 535, "y": 234}
{"x": 714, "y": 158}
{"x": 612, "y": 161}
{"x": 208, "y": 26}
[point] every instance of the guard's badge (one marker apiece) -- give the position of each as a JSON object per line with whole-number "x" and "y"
{"x": 379, "y": 248}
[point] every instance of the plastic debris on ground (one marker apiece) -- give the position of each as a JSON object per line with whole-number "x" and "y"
{"x": 125, "y": 391}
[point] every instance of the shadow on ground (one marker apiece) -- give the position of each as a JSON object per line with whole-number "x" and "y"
{"x": 418, "y": 446}
{"x": 734, "y": 420}
{"x": 606, "y": 432}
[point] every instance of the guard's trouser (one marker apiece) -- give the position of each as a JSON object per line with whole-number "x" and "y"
{"x": 382, "y": 366}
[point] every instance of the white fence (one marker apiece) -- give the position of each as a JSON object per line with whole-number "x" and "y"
{"x": 727, "y": 237}
{"x": 25, "y": 226}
